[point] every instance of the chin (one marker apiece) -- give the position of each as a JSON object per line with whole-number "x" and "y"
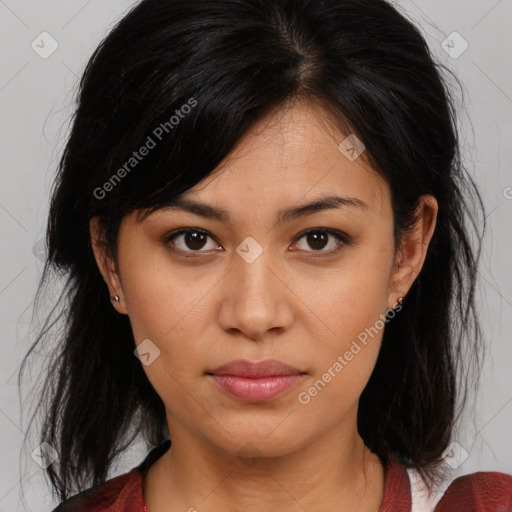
{"x": 257, "y": 443}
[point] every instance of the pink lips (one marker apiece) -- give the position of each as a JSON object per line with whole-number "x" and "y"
{"x": 255, "y": 382}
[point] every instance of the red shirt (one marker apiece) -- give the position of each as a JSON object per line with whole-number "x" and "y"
{"x": 477, "y": 492}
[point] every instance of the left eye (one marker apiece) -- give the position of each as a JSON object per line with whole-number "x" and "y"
{"x": 194, "y": 239}
{"x": 318, "y": 239}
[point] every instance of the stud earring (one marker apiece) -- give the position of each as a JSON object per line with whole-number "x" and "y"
{"x": 115, "y": 298}
{"x": 398, "y": 303}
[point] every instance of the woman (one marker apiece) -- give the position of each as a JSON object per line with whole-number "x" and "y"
{"x": 260, "y": 209}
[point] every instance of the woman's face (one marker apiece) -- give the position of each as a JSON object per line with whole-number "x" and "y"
{"x": 254, "y": 286}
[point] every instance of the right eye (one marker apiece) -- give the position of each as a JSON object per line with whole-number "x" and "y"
{"x": 189, "y": 240}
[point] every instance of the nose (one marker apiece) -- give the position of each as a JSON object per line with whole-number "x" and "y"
{"x": 255, "y": 299}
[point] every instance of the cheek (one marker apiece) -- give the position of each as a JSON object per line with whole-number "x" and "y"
{"x": 351, "y": 305}
{"x": 344, "y": 362}
{"x": 163, "y": 300}
{"x": 349, "y": 299}
{"x": 168, "y": 309}
{"x": 167, "y": 306}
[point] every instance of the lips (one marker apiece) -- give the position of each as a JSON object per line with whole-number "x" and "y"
{"x": 268, "y": 368}
{"x": 255, "y": 381}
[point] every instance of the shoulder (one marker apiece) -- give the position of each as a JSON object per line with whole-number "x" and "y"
{"x": 478, "y": 492}
{"x": 475, "y": 492}
{"x": 121, "y": 493}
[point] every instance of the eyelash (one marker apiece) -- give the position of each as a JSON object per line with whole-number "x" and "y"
{"x": 342, "y": 238}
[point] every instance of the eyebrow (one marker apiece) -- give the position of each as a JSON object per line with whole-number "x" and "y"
{"x": 321, "y": 204}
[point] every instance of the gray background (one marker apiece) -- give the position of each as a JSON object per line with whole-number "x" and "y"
{"x": 36, "y": 96}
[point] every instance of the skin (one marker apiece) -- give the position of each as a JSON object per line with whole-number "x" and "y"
{"x": 294, "y": 303}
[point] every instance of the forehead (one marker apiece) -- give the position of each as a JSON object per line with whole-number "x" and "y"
{"x": 289, "y": 158}
{"x": 292, "y": 155}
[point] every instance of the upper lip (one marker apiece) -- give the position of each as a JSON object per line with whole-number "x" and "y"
{"x": 244, "y": 368}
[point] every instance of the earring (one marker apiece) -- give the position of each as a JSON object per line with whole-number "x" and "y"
{"x": 115, "y": 298}
{"x": 398, "y": 303}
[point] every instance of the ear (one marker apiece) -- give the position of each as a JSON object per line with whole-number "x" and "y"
{"x": 413, "y": 252}
{"x": 106, "y": 265}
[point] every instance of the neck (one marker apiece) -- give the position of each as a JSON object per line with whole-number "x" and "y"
{"x": 336, "y": 472}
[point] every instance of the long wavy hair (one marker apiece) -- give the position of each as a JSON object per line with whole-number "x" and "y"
{"x": 232, "y": 62}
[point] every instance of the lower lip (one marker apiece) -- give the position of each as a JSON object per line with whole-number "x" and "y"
{"x": 256, "y": 389}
